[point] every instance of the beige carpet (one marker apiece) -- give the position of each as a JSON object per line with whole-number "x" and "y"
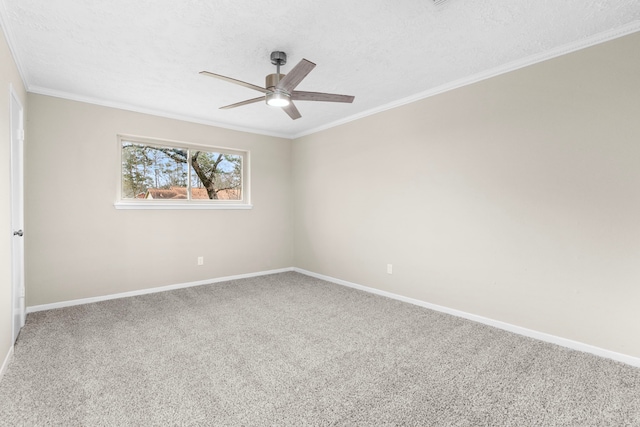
{"x": 290, "y": 350}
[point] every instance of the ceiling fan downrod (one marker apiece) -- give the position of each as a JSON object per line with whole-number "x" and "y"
{"x": 278, "y": 58}
{"x": 279, "y": 90}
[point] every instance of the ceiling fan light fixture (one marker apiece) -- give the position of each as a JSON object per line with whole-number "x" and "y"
{"x": 278, "y": 99}
{"x": 279, "y": 89}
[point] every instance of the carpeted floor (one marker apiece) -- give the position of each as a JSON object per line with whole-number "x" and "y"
{"x": 290, "y": 350}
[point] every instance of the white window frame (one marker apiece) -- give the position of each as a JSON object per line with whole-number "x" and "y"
{"x": 245, "y": 203}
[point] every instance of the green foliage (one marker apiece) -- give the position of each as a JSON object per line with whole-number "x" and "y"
{"x": 135, "y": 167}
{"x": 147, "y": 167}
{"x": 217, "y": 173}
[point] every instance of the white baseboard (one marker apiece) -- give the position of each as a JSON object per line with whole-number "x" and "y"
{"x": 5, "y": 363}
{"x": 61, "y": 304}
{"x": 564, "y": 342}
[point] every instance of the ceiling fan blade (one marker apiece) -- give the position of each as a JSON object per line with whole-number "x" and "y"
{"x": 240, "y": 104}
{"x": 319, "y": 96}
{"x": 295, "y": 76}
{"x": 238, "y": 82}
{"x": 292, "y": 111}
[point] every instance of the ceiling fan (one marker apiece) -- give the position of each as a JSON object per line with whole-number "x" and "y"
{"x": 279, "y": 88}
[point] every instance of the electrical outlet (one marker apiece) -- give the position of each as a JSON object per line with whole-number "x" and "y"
{"x": 389, "y": 269}
{"x": 200, "y": 260}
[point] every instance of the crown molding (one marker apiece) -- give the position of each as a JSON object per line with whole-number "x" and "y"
{"x": 120, "y": 105}
{"x": 605, "y": 36}
{"x": 137, "y": 109}
{"x": 7, "y": 36}
{"x": 602, "y": 37}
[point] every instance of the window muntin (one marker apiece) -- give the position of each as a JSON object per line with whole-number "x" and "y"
{"x": 167, "y": 172}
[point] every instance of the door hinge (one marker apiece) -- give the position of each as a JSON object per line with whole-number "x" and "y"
{"x": 22, "y": 292}
{"x": 21, "y": 134}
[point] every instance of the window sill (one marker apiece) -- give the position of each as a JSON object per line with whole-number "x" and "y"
{"x": 185, "y": 206}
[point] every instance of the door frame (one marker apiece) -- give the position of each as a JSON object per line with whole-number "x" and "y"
{"x": 18, "y": 309}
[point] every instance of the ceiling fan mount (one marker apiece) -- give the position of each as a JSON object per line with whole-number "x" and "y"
{"x": 279, "y": 88}
{"x": 278, "y": 58}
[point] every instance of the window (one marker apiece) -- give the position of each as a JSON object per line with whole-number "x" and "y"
{"x": 156, "y": 174}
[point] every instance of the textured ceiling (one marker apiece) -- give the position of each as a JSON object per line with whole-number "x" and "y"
{"x": 146, "y": 54}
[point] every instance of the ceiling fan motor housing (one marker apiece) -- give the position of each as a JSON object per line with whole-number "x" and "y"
{"x": 279, "y": 90}
{"x": 271, "y": 81}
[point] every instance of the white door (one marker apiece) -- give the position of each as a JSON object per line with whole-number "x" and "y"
{"x": 17, "y": 212}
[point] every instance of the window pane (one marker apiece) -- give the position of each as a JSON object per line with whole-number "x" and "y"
{"x": 216, "y": 176}
{"x": 153, "y": 172}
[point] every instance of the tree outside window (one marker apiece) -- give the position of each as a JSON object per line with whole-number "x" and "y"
{"x": 151, "y": 171}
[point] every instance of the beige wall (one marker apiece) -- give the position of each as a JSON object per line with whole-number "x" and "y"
{"x": 516, "y": 198}
{"x": 8, "y": 77}
{"x": 78, "y": 245}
